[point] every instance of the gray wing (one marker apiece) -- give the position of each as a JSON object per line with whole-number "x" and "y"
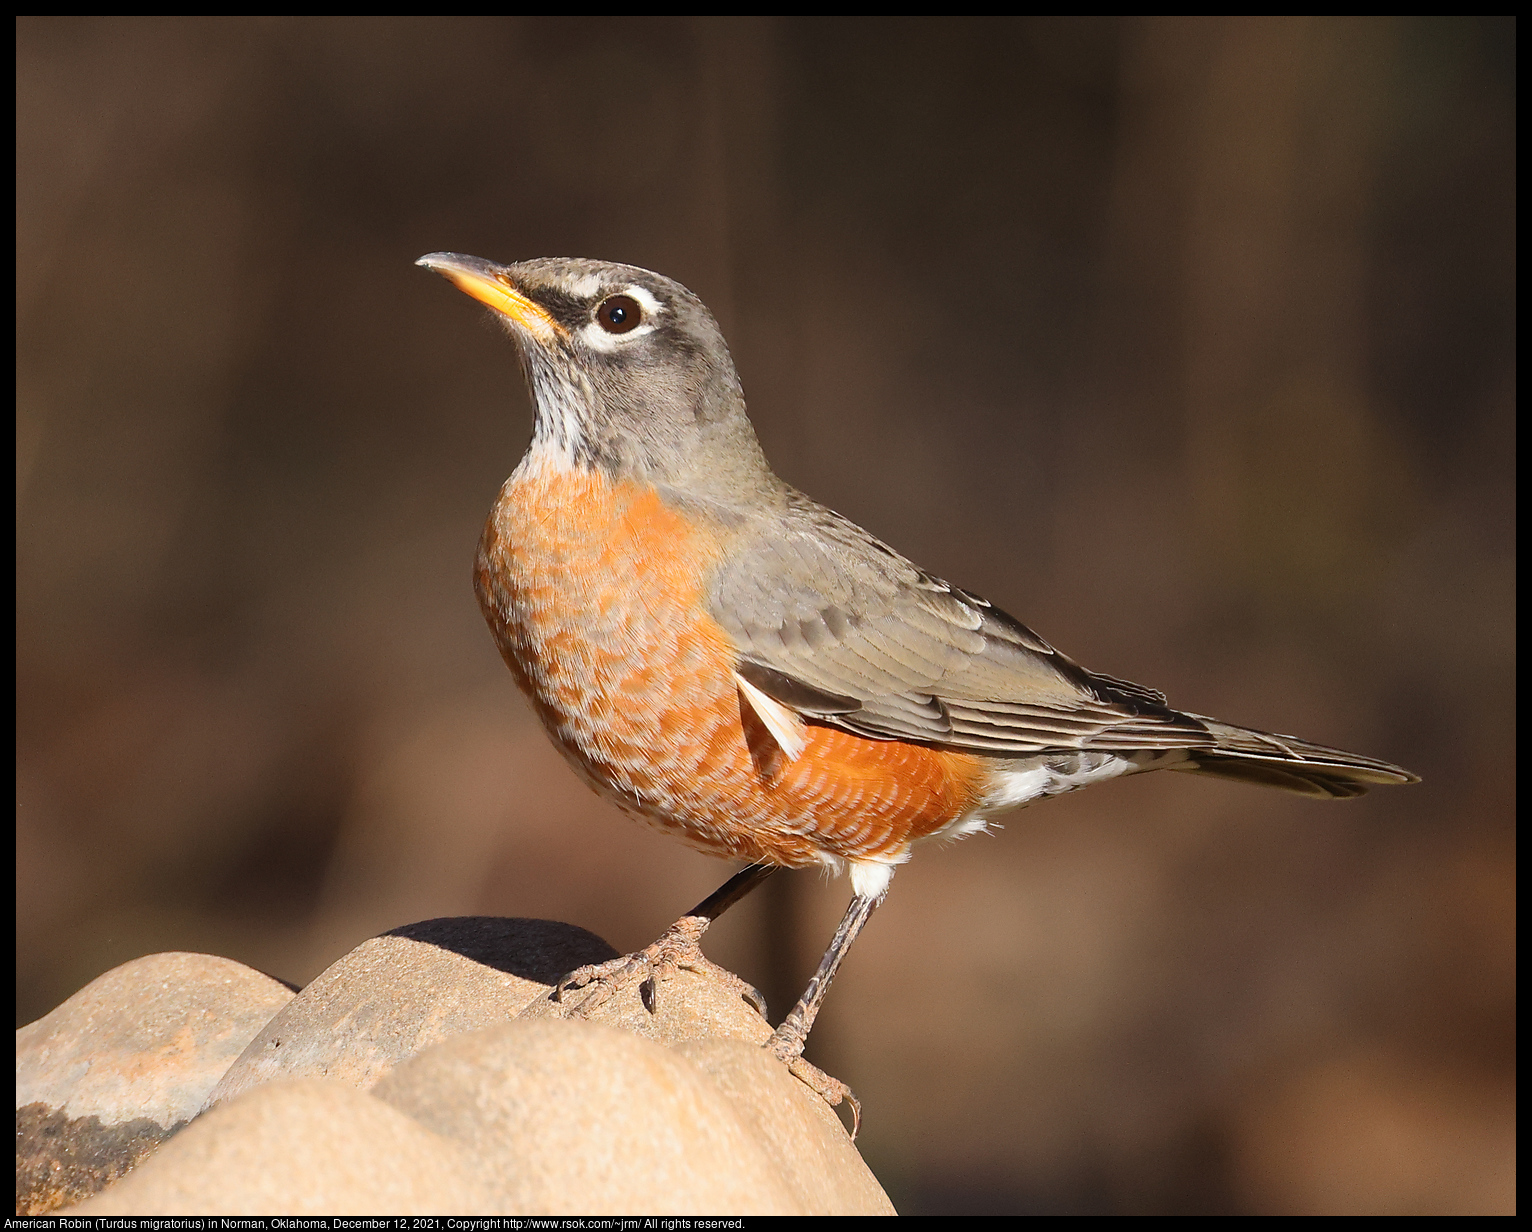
{"x": 841, "y": 628}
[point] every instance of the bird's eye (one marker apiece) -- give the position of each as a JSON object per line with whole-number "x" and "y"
{"x": 619, "y": 314}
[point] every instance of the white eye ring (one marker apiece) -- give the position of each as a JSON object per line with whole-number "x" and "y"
{"x": 599, "y": 338}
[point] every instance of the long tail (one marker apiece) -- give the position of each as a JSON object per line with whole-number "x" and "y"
{"x": 1289, "y": 763}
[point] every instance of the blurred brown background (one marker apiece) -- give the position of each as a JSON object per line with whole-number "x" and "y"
{"x": 1189, "y": 342}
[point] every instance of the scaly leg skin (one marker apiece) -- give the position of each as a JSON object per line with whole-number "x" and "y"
{"x": 678, "y": 948}
{"x": 786, "y": 1042}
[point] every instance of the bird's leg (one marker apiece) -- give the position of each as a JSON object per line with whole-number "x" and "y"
{"x": 677, "y": 947}
{"x": 786, "y": 1042}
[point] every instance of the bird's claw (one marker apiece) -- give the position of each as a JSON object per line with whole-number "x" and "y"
{"x": 832, "y": 1090}
{"x": 678, "y": 948}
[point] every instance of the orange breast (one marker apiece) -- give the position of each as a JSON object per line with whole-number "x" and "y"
{"x": 594, "y": 592}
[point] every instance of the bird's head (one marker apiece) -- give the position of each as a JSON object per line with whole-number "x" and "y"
{"x": 628, "y": 370}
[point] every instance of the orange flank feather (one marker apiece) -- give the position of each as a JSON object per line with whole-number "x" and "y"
{"x": 595, "y": 594}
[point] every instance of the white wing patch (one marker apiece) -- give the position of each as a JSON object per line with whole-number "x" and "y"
{"x": 785, "y": 726}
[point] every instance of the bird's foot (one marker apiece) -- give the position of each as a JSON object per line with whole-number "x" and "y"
{"x": 832, "y": 1090}
{"x": 678, "y": 948}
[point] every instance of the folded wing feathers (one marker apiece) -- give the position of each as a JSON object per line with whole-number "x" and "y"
{"x": 834, "y": 625}
{"x": 922, "y": 661}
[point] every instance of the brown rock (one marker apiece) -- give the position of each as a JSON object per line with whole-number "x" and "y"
{"x": 801, "y": 1134}
{"x": 125, "y": 1063}
{"x": 398, "y": 1082}
{"x": 307, "y": 1147}
{"x": 576, "y": 1118}
{"x": 402, "y": 992}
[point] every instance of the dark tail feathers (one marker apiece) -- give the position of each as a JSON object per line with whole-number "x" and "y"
{"x": 1289, "y": 763}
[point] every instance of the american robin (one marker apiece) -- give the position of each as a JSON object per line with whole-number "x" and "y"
{"x": 746, "y": 669}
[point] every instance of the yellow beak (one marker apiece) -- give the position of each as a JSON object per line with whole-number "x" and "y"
{"x": 487, "y": 283}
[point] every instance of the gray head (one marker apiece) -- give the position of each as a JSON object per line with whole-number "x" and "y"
{"x": 628, "y": 370}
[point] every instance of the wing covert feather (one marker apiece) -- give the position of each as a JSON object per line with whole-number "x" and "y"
{"x": 819, "y": 608}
